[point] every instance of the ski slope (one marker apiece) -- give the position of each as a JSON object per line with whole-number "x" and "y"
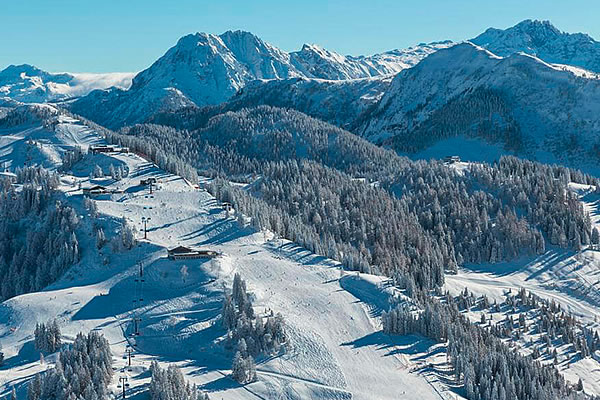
{"x": 572, "y": 279}
{"x": 337, "y": 349}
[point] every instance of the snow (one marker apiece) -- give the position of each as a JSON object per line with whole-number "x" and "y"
{"x": 553, "y": 109}
{"x": 542, "y": 39}
{"x": 29, "y": 84}
{"x": 471, "y": 149}
{"x": 570, "y": 278}
{"x": 205, "y": 69}
{"x": 337, "y": 348}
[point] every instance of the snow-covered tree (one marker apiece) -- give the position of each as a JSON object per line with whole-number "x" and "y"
{"x": 127, "y": 236}
{"x": 33, "y": 258}
{"x": 97, "y": 172}
{"x": 169, "y": 384}
{"x": 82, "y": 371}
{"x": 595, "y": 237}
{"x": 243, "y": 369}
{"x": 184, "y": 272}
{"x": 47, "y": 337}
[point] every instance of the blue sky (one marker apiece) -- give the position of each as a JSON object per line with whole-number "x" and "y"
{"x": 128, "y": 35}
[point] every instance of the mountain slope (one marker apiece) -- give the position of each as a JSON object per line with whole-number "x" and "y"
{"x": 341, "y": 103}
{"x": 532, "y": 107}
{"x": 28, "y": 84}
{"x": 204, "y": 69}
{"x": 338, "y": 352}
{"x": 316, "y": 62}
{"x": 543, "y": 40}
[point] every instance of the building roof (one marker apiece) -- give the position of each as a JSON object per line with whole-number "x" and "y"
{"x": 97, "y": 187}
{"x": 180, "y": 250}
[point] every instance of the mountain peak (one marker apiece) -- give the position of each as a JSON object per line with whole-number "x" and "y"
{"x": 239, "y": 33}
{"x": 312, "y": 47}
{"x": 545, "y": 41}
{"x": 239, "y": 41}
{"x": 15, "y": 71}
{"x": 536, "y": 24}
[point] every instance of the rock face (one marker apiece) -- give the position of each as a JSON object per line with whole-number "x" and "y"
{"x": 204, "y": 69}
{"x": 528, "y": 87}
{"x": 316, "y": 62}
{"x": 543, "y": 40}
{"x": 28, "y": 84}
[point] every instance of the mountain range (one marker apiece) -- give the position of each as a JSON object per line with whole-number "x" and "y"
{"x": 531, "y": 88}
{"x": 204, "y": 69}
{"x": 545, "y": 41}
{"x": 29, "y": 84}
{"x": 520, "y": 101}
{"x": 297, "y": 225}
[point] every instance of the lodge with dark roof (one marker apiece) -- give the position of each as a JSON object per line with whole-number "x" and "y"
{"x": 185, "y": 253}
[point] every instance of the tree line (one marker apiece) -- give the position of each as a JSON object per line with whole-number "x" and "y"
{"x": 305, "y": 173}
{"x": 38, "y": 242}
{"x": 251, "y": 334}
{"x": 83, "y": 371}
{"x": 486, "y": 366}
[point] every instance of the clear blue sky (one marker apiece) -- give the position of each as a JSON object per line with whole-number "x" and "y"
{"x": 128, "y": 35}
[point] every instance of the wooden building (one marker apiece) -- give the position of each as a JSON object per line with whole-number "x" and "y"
{"x": 95, "y": 190}
{"x": 185, "y": 253}
{"x": 108, "y": 149}
{"x": 451, "y": 159}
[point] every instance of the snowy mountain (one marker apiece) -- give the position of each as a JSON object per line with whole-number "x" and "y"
{"x": 529, "y": 106}
{"x": 208, "y": 69}
{"x": 181, "y": 313}
{"x": 205, "y": 69}
{"x": 341, "y": 342}
{"x": 545, "y": 41}
{"x": 395, "y": 61}
{"x": 341, "y": 103}
{"x": 28, "y": 84}
{"x": 248, "y": 244}
{"x": 316, "y": 62}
